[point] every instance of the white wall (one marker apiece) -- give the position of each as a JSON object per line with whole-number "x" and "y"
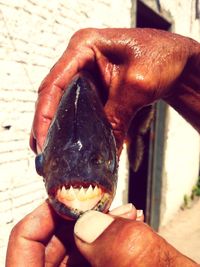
{"x": 121, "y": 196}
{"x": 182, "y": 147}
{"x": 33, "y": 36}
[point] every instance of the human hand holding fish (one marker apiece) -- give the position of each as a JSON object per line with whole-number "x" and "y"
{"x": 78, "y": 160}
{"x": 117, "y": 239}
{"x": 135, "y": 67}
{"x": 43, "y": 238}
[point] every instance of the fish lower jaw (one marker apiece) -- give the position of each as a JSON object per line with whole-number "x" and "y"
{"x": 81, "y": 205}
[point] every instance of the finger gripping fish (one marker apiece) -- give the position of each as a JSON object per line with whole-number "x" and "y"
{"x": 79, "y": 162}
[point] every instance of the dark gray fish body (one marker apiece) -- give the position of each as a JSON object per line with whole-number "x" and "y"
{"x": 79, "y": 163}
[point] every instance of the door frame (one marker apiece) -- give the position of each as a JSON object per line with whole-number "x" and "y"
{"x": 150, "y": 10}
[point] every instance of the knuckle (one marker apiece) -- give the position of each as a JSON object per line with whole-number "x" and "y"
{"x": 139, "y": 79}
{"x": 83, "y": 36}
{"x": 43, "y": 86}
{"x": 17, "y": 230}
{"x": 143, "y": 84}
{"x": 82, "y": 32}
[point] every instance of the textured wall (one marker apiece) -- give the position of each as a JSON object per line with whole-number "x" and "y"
{"x": 33, "y": 35}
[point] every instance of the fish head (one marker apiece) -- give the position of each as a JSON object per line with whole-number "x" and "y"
{"x": 79, "y": 162}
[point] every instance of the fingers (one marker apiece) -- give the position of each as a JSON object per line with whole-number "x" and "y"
{"x": 38, "y": 238}
{"x": 55, "y": 252}
{"x": 61, "y": 250}
{"x": 49, "y": 95}
{"x": 127, "y": 211}
{"x": 106, "y": 241}
{"x": 42, "y": 238}
{"x": 47, "y": 103}
{"x": 51, "y": 90}
{"x": 93, "y": 225}
{"x": 28, "y": 238}
{"x": 140, "y": 216}
{"x": 124, "y": 101}
{"x": 118, "y": 56}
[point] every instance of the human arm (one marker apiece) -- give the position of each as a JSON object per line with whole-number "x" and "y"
{"x": 135, "y": 67}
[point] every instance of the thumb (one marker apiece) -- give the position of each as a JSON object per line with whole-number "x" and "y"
{"x": 119, "y": 117}
{"x": 121, "y": 108}
{"x": 106, "y": 241}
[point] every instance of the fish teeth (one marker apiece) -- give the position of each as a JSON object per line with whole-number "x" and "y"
{"x": 81, "y": 194}
{"x": 71, "y": 194}
{"x": 63, "y": 192}
{"x": 89, "y": 192}
{"x": 97, "y": 191}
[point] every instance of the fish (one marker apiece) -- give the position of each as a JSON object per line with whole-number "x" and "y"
{"x": 79, "y": 161}
{"x": 138, "y": 131}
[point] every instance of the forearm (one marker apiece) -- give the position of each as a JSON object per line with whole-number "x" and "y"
{"x": 185, "y": 97}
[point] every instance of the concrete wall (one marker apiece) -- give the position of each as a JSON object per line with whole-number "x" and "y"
{"x": 182, "y": 145}
{"x": 33, "y": 36}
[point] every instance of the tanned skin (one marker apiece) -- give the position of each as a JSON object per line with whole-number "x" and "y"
{"x": 135, "y": 67}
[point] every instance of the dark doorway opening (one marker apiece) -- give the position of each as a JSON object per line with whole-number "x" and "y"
{"x": 148, "y": 18}
{"x": 145, "y": 182}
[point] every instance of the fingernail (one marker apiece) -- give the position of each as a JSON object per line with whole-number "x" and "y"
{"x": 139, "y": 213}
{"x": 122, "y": 209}
{"x": 91, "y": 225}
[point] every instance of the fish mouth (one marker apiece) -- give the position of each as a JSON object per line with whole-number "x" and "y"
{"x": 72, "y": 200}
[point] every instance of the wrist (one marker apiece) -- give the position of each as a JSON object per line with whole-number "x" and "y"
{"x": 173, "y": 258}
{"x": 185, "y": 94}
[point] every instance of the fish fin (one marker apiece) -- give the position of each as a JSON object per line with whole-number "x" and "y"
{"x": 136, "y": 153}
{"x": 139, "y": 127}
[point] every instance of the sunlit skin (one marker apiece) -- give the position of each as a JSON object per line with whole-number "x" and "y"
{"x": 136, "y": 67}
{"x": 43, "y": 237}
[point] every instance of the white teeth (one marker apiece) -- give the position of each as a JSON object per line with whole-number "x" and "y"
{"x": 63, "y": 192}
{"x": 80, "y": 198}
{"x": 81, "y": 194}
{"x": 89, "y": 192}
{"x": 97, "y": 191}
{"x": 70, "y": 194}
{"x": 78, "y": 193}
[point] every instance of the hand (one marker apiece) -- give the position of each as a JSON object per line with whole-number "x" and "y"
{"x": 43, "y": 238}
{"x": 105, "y": 241}
{"x": 134, "y": 66}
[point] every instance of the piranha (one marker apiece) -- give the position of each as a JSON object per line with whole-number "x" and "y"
{"x": 78, "y": 162}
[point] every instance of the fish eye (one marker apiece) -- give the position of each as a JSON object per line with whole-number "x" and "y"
{"x": 39, "y": 164}
{"x": 111, "y": 164}
{"x": 54, "y": 163}
{"x": 97, "y": 160}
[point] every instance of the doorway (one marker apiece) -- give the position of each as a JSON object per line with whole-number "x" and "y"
{"x": 145, "y": 181}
